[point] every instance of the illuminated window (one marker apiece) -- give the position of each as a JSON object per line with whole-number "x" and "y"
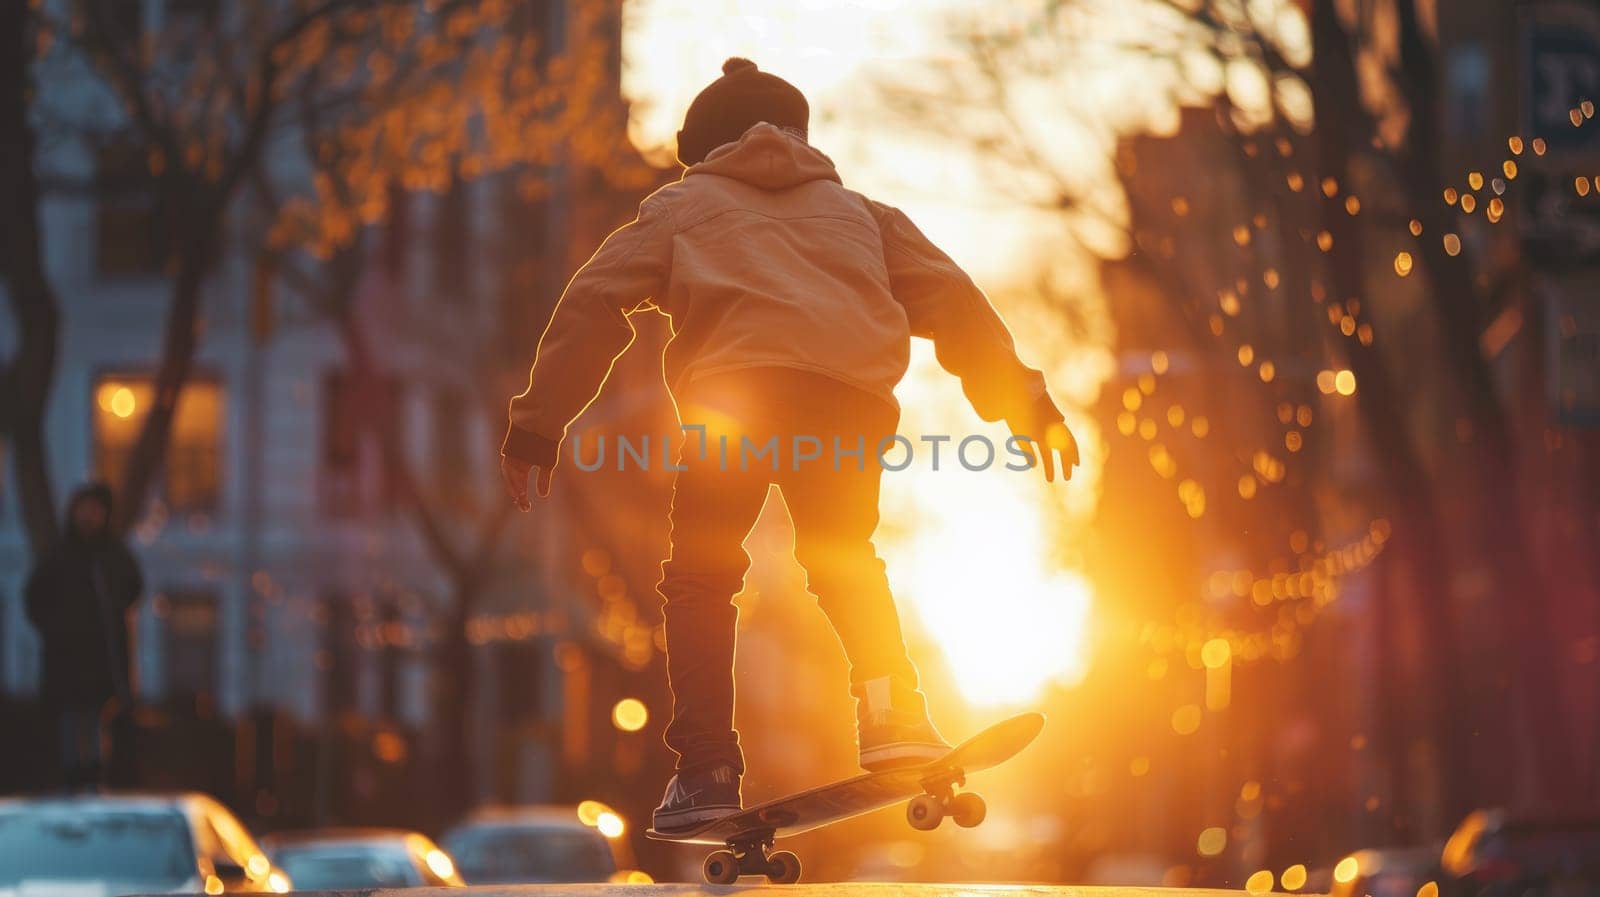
{"x": 191, "y": 478}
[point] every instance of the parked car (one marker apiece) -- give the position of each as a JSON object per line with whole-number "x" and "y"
{"x": 105, "y": 844}
{"x": 321, "y": 859}
{"x": 510, "y": 845}
{"x": 1494, "y": 853}
{"x": 1385, "y": 872}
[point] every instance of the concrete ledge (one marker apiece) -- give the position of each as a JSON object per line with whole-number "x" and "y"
{"x": 814, "y": 889}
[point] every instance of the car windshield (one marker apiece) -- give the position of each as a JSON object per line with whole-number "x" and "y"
{"x": 347, "y": 866}
{"x": 87, "y": 843}
{"x": 506, "y": 854}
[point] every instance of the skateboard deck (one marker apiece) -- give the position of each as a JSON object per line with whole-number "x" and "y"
{"x": 931, "y": 784}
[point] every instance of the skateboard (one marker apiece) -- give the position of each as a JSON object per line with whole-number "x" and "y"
{"x": 746, "y": 837}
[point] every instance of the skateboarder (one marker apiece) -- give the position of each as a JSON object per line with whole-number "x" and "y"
{"x": 792, "y": 302}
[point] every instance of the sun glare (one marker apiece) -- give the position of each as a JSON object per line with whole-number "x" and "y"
{"x": 970, "y": 552}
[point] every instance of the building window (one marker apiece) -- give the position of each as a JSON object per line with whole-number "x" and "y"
{"x": 528, "y": 285}
{"x": 191, "y": 478}
{"x": 550, "y": 20}
{"x": 452, "y": 467}
{"x": 192, "y": 18}
{"x": 521, "y": 662}
{"x": 341, "y": 689}
{"x": 397, "y": 234}
{"x": 356, "y": 477}
{"x": 126, "y": 19}
{"x": 130, "y": 239}
{"x": 188, "y": 642}
{"x": 452, "y": 269}
{"x": 1468, "y": 105}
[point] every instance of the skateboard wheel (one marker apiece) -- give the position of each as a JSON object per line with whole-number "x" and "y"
{"x": 967, "y": 809}
{"x": 783, "y": 868}
{"x": 722, "y": 867}
{"x": 925, "y": 812}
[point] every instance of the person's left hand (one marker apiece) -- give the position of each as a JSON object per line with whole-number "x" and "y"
{"x": 1046, "y": 437}
{"x": 1043, "y": 450}
{"x": 515, "y": 473}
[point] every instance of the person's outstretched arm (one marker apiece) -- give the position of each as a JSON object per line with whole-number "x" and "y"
{"x": 970, "y": 340}
{"x": 587, "y": 333}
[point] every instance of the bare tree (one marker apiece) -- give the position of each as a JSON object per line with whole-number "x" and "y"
{"x": 27, "y": 377}
{"x": 204, "y": 98}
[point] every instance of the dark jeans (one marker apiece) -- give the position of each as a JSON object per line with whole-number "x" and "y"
{"x": 834, "y": 507}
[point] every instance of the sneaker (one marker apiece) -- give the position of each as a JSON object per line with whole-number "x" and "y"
{"x": 894, "y": 729}
{"x": 697, "y": 797}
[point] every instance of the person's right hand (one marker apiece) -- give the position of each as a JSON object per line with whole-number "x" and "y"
{"x": 515, "y": 473}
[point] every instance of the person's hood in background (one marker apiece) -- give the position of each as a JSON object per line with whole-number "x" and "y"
{"x": 96, "y": 492}
{"x": 770, "y": 158}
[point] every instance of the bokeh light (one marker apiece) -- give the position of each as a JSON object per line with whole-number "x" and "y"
{"x": 630, "y": 715}
{"x": 1346, "y": 870}
{"x": 610, "y": 824}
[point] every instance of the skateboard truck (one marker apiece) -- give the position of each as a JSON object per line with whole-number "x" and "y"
{"x": 748, "y": 855}
{"x": 940, "y": 799}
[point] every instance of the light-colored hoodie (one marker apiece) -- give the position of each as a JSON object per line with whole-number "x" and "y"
{"x": 760, "y": 257}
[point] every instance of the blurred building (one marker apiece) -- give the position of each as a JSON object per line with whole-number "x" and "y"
{"x": 285, "y": 574}
{"x": 1223, "y": 314}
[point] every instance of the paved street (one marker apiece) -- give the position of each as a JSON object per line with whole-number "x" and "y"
{"x": 820, "y": 889}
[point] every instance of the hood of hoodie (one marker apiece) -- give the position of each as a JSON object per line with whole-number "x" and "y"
{"x": 770, "y": 158}
{"x": 99, "y": 493}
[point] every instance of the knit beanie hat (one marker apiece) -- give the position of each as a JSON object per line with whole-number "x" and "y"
{"x": 732, "y": 104}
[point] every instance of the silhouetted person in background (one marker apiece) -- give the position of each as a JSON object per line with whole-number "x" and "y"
{"x": 79, "y": 596}
{"x": 793, "y": 301}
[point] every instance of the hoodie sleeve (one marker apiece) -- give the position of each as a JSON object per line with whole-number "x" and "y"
{"x": 969, "y": 338}
{"x": 589, "y": 329}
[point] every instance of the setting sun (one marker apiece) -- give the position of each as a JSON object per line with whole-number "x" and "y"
{"x": 971, "y": 553}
